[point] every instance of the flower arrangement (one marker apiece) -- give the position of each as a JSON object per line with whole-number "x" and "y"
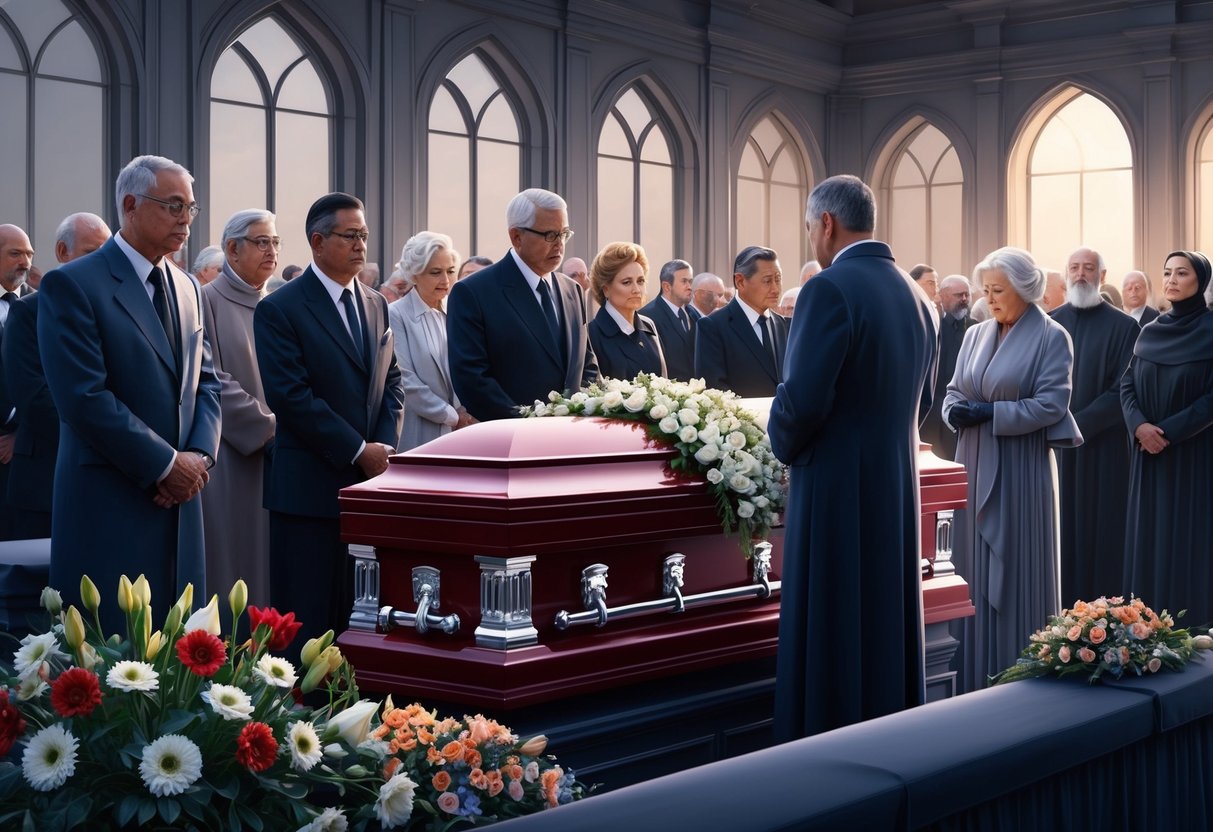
{"x": 714, "y": 436}
{"x": 180, "y": 728}
{"x": 1107, "y": 636}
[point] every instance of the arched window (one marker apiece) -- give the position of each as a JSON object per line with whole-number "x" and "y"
{"x": 924, "y": 190}
{"x": 475, "y": 158}
{"x": 771, "y": 190}
{"x": 636, "y": 182}
{"x": 271, "y": 135}
{"x": 53, "y": 163}
{"x": 1204, "y": 188}
{"x": 1071, "y": 183}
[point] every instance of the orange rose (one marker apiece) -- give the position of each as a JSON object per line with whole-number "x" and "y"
{"x": 472, "y": 758}
{"x": 480, "y": 729}
{"x": 441, "y": 781}
{"x": 452, "y": 751}
{"x": 393, "y": 746}
{"x": 389, "y": 768}
{"x": 380, "y": 732}
{"x": 1075, "y": 633}
{"x": 425, "y": 736}
{"x": 477, "y": 779}
{"x": 1087, "y": 655}
{"x": 549, "y": 781}
{"x": 1124, "y": 655}
{"x": 514, "y": 772}
{"x": 408, "y": 745}
{"x": 1097, "y": 635}
{"x": 433, "y": 757}
{"x": 394, "y": 718}
{"x": 1139, "y": 630}
{"x": 495, "y": 787}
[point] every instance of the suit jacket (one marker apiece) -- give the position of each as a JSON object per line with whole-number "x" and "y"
{"x": 934, "y": 431}
{"x": 677, "y": 344}
{"x": 36, "y": 445}
{"x": 622, "y": 356}
{"x": 326, "y": 400}
{"x": 126, "y": 406}
{"x": 1148, "y": 314}
{"x": 500, "y": 354}
{"x": 429, "y": 396}
{"x": 729, "y": 355}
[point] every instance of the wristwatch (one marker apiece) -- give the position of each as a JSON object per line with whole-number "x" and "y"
{"x": 207, "y": 459}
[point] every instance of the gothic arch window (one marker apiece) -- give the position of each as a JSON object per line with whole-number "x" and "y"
{"x": 475, "y": 157}
{"x": 924, "y": 195}
{"x": 1071, "y": 183}
{"x": 636, "y": 182}
{"x": 54, "y": 159}
{"x": 1204, "y": 188}
{"x": 271, "y": 134}
{"x": 772, "y": 186}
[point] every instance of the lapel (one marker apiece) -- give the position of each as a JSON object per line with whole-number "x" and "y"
{"x": 569, "y": 312}
{"x": 414, "y": 309}
{"x": 675, "y": 325}
{"x": 131, "y": 295}
{"x": 522, "y": 300}
{"x": 321, "y": 305}
{"x": 746, "y": 334}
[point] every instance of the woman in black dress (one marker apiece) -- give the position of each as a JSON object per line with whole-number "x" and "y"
{"x": 624, "y": 341}
{"x": 1167, "y": 398}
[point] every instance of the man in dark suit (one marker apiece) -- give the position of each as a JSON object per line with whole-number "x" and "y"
{"x": 328, "y": 367}
{"x": 516, "y": 330}
{"x": 675, "y": 318}
{"x": 953, "y": 296}
{"x": 857, "y": 379}
{"x": 36, "y": 442}
{"x": 741, "y": 346}
{"x": 120, "y": 333}
{"x": 1135, "y": 288}
{"x": 16, "y": 260}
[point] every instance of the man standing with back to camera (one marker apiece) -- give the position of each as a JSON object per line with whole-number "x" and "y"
{"x": 857, "y": 381}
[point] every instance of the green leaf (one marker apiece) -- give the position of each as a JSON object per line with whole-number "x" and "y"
{"x": 228, "y": 787}
{"x": 126, "y": 810}
{"x": 169, "y": 809}
{"x": 249, "y": 817}
{"x": 233, "y": 819}
{"x": 176, "y": 721}
{"x": 147, "y": 810}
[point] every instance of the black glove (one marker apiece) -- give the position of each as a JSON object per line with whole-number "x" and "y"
{"x": 968, "y": 414}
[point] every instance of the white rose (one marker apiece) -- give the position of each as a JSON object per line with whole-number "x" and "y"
{"x": 706, "y": 456}
{"x": 741, "y": 483}
{"x": 688, "y": 434}
{"x": 612, "y": 400}
{"x": 761, "y": 502}
{"x": 658, "y": 412}
{"x": 736, "y": 440}
{"x": 553, "y": 396}
{"x": 710, "y": 433}
{"x": 560, "y": 410}
{"x": 688, "y": 416}
{"x": 591, "y": 406}
{"x": 541, "y": 409}
{"x": 669, "y": 425}
{"x": 714, "y": 475}
{"x": 579, "y": 397}
{"x": 636, "y": 402}
{"x": 745, "y": 508}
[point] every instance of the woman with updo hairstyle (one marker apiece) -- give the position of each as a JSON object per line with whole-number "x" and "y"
{"x": 1167, "y": 399}
{"x": 1009, "y": 401}
{"x": 418, "y": 320}
{"x": 624, "y": 341}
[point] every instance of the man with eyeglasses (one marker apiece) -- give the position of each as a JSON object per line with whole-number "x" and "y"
{"x": 516, "y": 330}
{"x": 328, "y": 366}
{"x": 237, "y": 525}
{"x": 120, "y": 332}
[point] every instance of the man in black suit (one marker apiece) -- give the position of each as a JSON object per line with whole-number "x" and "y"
{"x": 1135, "y": 288}
{"x": 32, "y": 471}
{"x": 741, "y": 346}
{"x": 16, "y": 259}
{"x": 953, "y": 294}
{"x": 675, "y": 318}
{"x": 516, "y": 330}
{"x": 328, "y": 366}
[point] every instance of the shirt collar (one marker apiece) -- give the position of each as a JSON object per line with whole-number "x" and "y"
{"x": 142, "y": 266}
{"x": 675, "y": 308}
{"x": 852, "y": 245}
{"x": 528, "y": 273}
{"x": 624, "y": 327}
{"x": 331, "y": 286}
{"x": 752, "y": 314}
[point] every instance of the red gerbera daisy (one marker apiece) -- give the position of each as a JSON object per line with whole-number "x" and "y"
{"x": 201, "y": 652}
{"x": 283, "y": 628}
{"x": 76, "y": 692}
{"x": 256, "y": 748}
{"x": 12, "y": 725}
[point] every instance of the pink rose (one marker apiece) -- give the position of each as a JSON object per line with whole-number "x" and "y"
{"x": 1154, "y": 664}
{"x": 1139, "y": 630}
{"x": 1097, "y": 635}
{"x": 514, "y": 790}
{"x": 448, "y": 802}
{"x": 1124, "y": 655}
{"x": 1064, "y": 653}
{"x": 1086, "y": 654}
{"x": 1075, "y": 633}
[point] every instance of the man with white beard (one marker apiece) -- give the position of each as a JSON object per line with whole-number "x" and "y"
{"x": 1093, "y": 478}
{"x": 954, "y": 294}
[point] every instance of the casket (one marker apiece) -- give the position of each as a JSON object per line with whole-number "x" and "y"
{"x": 529, "y": 560}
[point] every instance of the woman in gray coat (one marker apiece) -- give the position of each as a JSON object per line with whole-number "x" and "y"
{"x": 1009, "y": 400}
{"x": 418, "y": 321}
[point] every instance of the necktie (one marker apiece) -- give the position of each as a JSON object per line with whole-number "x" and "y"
{"x": 683, "y": 319}
{"x": 164, "y": 311}
{"x": 768, "y": 341}
{"x": 351, "y": 317}
{"x": 9, "y": 298}
{"x": 549, "y": 312}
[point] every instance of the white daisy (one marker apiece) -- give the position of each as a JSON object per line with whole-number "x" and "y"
{"x": 395, "y": 803}
{"x": 229, "y": 701}
{"x": 275, "y": 671}
{"x": 130, "y": 676}
{"x": 31, "y": 687}
{"x": 305, "y": 745}
{"x": 170, "y": 765}
{"x": 50, "y": 758}
{"x": 330, "y": 820}
{"x": 34, "y": 650}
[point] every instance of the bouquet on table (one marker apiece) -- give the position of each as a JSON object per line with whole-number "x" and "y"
{"x": 1107, "y": 636}
{"x": 714, "y": 436}
{"x": 179, "y": 728}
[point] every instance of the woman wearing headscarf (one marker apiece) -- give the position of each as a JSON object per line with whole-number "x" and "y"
{"x": 1009, "y": 401}
{"x": 1167, "y": 398}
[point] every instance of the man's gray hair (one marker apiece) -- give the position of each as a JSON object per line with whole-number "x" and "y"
{"x": 1103, "y": 267}
{"x": 66, "y": 232}
{"x": 420, "y": 249}
{"x": 139, "y": 177}
{"x": 209, "y": 256}
{"x": 672, "y": 268}
{"x": 1026, "y": 277}
{"x": 952, "y": 280}
{"x": 522, "y": 208}
{"x": 703, "y": 279}
{"x": 747, "y": 259}
{"x": 847, "y": 199}
{"x": 239, "y": 223}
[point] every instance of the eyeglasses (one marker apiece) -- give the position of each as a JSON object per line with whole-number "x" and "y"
{"x": 176, "y": 206}
{"x": 265, "y": 243}
{"x": 551, "y": 236}
{"x": 351, "y": 236}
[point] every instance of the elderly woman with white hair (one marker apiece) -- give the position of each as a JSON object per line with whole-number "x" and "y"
{"x": 1009, "y": 400}
{"x": 431, "y": 408}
